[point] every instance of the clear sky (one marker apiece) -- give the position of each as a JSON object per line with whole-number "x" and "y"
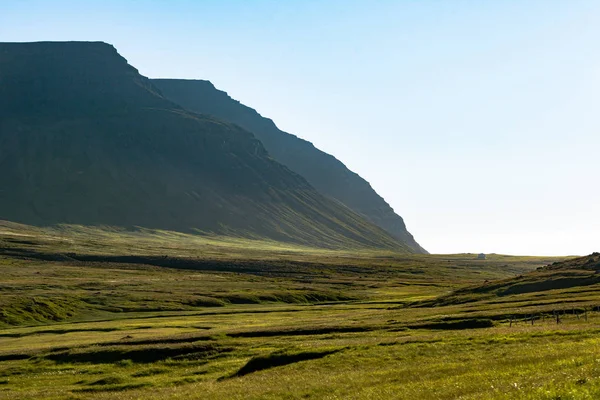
{"x": 478, "y": 121}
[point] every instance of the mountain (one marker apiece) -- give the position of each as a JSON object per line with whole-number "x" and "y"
{"x": 323, "y": 171}
{"x": 85, "y": 139}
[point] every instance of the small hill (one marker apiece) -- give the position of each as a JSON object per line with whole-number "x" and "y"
{"x": 323, "y": 171}
{"x": 85, "y": 139}
{"x": 573, "y": 273}
{"x": 590, "y": 263}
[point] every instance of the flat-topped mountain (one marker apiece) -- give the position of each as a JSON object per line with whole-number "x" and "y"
{"x": 323, "y": 171}
{"x": 85, "y": 139}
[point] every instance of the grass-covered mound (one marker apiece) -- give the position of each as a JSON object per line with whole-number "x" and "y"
{"x": 574, "y": 273}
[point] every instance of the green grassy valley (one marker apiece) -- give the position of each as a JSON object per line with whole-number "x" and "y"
{"x": 161, "y": 240}
{"x": 103, "y": 313}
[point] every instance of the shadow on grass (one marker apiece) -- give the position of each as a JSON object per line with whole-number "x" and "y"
{"x": 260, "y": 363}
{"x": 301, "y": 332}
{"x": 57, "y": 332}
{"x": 14, "y": 357}
{"x": 148, "y": 354}
{"x": 169, "y": 340}
{"x": 473, "y": 323}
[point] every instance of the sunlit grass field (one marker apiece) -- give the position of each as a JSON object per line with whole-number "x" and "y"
{"x": 108, "y": 314}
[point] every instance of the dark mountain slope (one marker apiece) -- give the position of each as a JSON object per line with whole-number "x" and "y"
{"x": 85, "y": 139}
{"x": 323, "y": 171}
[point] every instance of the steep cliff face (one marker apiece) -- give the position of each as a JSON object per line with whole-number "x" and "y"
{"x": 323, "y": 171}
{"x": 85, "y": 139}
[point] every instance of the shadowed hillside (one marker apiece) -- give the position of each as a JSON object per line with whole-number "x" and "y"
{"x": 323, "y": 171}
{"x": 85, "y": 139}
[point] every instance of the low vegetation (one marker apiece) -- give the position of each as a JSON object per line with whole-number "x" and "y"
{"x": 218, "y": 317}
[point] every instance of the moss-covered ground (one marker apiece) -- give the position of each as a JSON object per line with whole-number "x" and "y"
{"x": 105, "y": 314}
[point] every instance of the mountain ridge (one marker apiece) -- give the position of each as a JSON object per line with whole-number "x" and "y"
{"x": 85, "y": 139}
{"x": 322, "y": 170}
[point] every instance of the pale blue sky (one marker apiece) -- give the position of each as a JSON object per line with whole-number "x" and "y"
{"x": 478, "y": 121}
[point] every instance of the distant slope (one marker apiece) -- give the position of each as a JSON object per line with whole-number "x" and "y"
{"x": 573, "y": 273}
{"x": 589, "y": 263}
{"x": 85, "y": 139}
{"x": 323, "y": 171}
